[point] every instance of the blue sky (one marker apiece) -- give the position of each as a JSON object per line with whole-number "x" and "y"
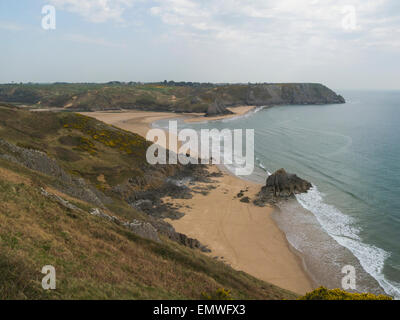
{"x": 351, "y": 44}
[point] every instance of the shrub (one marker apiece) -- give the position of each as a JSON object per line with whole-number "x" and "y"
{"x": 323, "y": 293}
{"x": 219, "y": 294}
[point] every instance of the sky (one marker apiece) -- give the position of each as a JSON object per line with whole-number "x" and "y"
{"x": 344, "y": 44}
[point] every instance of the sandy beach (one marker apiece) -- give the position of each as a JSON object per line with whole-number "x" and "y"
{"x": 240, "y": 234}
{"x": 237, "y": 111}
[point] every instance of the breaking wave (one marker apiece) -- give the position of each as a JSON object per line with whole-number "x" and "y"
{"x": 343, "y": 229}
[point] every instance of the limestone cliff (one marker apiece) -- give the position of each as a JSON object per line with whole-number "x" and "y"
{"x": 217, "y": 108}
{"x": 279, "y": 94}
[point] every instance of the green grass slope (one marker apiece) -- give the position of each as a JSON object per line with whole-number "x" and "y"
{"x": 94, "y": 257}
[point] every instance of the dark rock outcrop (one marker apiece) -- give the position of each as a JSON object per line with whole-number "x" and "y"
{"x": 217, "y": 108}
{"x": 168, "y": 230}
{"x": 245, "y": 200}
{"x": 281, "y": 185}
{"x": 99, "y": 213}
{"x": 144, "y": 230}
{"x": 41, "y": 162}
{"x": 140, "y": 228}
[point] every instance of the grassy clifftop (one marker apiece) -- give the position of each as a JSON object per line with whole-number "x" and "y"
{"x": 166, "y": 96}
{"x": 55, "y": 168}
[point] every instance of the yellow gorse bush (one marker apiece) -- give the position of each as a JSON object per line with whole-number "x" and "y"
{"x": 219, "y": 294}
{"x": 115, "y": 139}
{"x": 323, "y": 293}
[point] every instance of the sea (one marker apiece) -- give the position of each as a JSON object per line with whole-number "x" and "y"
{"x": 351, "y": 154}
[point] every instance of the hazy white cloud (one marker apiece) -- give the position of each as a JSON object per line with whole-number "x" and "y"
{"x": 290, "y": 21}
{"x": 9, "y": 26}
{"x": 94, "y": 41}
{"x": 263, "y": 22}
{"x": 95, "y": 10}
{"x": 283, "y": 40}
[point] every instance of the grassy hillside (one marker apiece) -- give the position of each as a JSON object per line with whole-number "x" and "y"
{"x": 54, "y": 169}
{"x": 103, "y": 96}
{"x": 96, "y": 259}
{"x": 165, "y": 96}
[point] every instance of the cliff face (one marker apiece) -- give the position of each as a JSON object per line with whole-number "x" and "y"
{"x": 273, "y": 94}
{"x": 301, "y": 93}
{"x": 217, "y": 108}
